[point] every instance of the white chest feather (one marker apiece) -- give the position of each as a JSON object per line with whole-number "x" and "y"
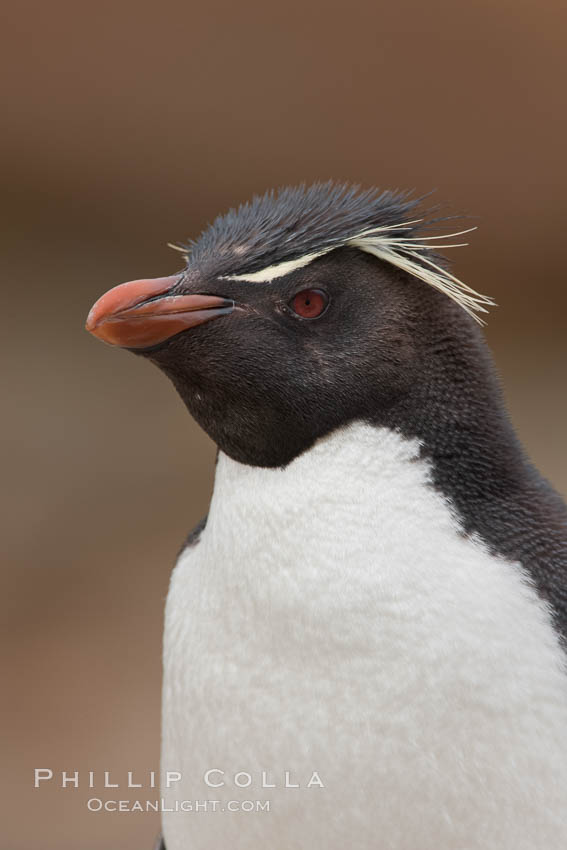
{"x": 334, "y": 620}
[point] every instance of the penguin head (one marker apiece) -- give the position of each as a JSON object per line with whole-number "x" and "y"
{"x": 296, "y": 314}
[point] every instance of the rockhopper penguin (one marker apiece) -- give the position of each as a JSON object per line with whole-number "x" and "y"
{"x": 375, "y": 609}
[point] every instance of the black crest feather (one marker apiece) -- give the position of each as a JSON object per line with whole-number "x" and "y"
{"x": 293, "y": 221}
{"x": 299, "y": 222}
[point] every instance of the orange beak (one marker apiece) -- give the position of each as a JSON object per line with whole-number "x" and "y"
{"x": 133, "y": 315}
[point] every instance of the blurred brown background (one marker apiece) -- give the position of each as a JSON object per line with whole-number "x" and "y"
{"x": 127, "y": 125}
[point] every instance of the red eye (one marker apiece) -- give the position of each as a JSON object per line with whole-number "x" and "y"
{"x": 310, "y": 303}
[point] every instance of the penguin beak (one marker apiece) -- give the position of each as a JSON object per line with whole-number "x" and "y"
{"x": 140, "y": 313}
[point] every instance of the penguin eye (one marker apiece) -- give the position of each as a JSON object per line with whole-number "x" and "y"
{"x": 309, "y": 303}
